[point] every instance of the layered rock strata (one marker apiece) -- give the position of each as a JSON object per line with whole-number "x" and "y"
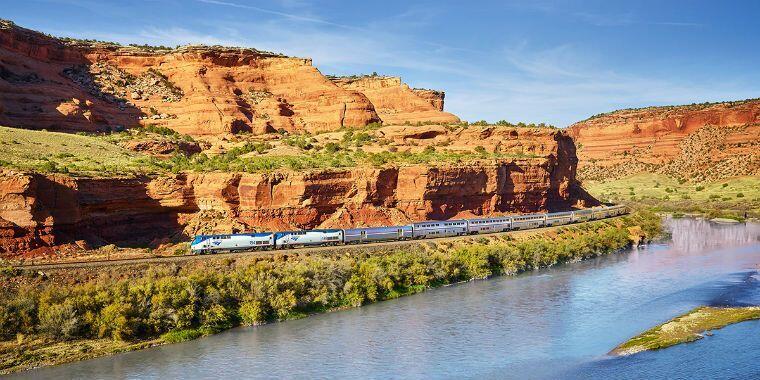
{"x": 696, "y": 142}
{"x": 397, "y": 103}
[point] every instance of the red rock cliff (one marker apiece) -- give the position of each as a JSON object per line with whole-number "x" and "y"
{"x": 56, "y": 85}
{"x": 40, "y": 212}
{"x": 396, "y": 103}
{"x": 703, "y": 141}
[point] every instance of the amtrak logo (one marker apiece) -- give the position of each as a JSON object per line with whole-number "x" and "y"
{"x": 216, "y": 242}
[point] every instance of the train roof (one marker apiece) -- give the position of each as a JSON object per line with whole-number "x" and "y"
{"x": 441, "y": 221}
{"x": 316, "y": 230}
{"x": 254, "y": 234}
{"x": 377, "y": 228}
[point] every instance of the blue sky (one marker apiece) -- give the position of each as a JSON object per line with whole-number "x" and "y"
{"x": 533, "y": 61}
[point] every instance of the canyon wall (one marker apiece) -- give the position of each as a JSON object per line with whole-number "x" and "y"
{"x": 70, "y": 86}
{"x": 396, "y": 103}
{"x": 40, "y": 213}
{"x": 50, "y": 84}
{"x": 694, "y": 142}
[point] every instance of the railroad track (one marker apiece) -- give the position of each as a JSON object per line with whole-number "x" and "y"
{"x": 269, "y": 253}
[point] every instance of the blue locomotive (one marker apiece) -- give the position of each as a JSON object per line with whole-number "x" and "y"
{"x": 418, "y": 230}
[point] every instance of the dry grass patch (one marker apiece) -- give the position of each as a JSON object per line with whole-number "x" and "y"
{"x": 53, "y": 152}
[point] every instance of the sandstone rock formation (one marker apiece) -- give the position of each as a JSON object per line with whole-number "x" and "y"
{"x": 41, "y": 212}
{"x": 48, "y": 83}
{"x": 695, "y": 142}
{"x": 396, "y": 103}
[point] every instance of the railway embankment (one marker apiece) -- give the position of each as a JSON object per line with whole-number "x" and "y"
{"x": 62, "y": 315}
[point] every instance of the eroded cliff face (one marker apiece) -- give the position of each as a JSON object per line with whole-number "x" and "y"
{"x": 46, "y": 83}
{"x": 41, "y": 213}
{"x": 697, "y": 142}
{"x": 396, "y": 103}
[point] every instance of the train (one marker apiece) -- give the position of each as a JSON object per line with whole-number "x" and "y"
{"x": 203, "y": 244}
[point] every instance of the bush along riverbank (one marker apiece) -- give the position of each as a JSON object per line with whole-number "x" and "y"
{"x": 59, "y": 317}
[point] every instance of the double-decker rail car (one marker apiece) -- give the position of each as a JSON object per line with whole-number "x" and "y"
{"x": 582, "y": 215}
{"x": 232, "y": 242}
{"x": 489, "y": 225}
{"x": 304, "y": 238}
{"x": 524, "y": 222}
{"x": 370, "y": 234}
{"x": 600, "y": 213}
{"x": 559, "y": 218}
{"x": 439, "y": 228}
{"x": 616, "y": 210}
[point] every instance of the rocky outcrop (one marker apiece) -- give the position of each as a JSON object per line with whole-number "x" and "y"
{"x": 40, "y": 213}
{"x": 695, "y": 142}
{"x": 48, "y": 83}
{"x": 163, "y": 148}
{"x": 396, "y": 103}
{"x": 434, "y": 97}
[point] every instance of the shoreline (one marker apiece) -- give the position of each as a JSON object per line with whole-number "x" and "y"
{"x": 116, "y": 325}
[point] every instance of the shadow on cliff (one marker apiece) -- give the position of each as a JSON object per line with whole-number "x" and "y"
{"x": 61, "y": 97}
{"x": 103, "y": 211}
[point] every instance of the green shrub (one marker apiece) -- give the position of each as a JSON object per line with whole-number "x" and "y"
{"x": 252, "y": 312}
{"x": 115, "y": 321}
{"x": 700, "y": 188}
{"x": 331, "y": 147}
{"x": 740, "y": 195}
{"x": 183, "y": 335}
{"x": 60, "y": 321}
{"x": 217, "y": 318}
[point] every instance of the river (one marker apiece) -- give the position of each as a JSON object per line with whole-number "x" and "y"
{"x": 553, "y": 323}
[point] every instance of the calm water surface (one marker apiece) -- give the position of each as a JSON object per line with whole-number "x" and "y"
{"x": 554, "y": 323}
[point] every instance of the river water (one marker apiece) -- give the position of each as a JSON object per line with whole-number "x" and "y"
{"x": 553, "y": 323}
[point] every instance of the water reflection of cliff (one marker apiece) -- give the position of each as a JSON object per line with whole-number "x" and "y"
{"x": 698, "y": 234}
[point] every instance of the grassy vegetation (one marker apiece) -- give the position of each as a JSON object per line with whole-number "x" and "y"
{"x": 330, "y": 156}
{"x": 99, "y": 155}
{"x": 52, "y": 152}
{"x": 728, "y": 198}
{"x": 166, "y": 304}
{"x": 687, "y": 328}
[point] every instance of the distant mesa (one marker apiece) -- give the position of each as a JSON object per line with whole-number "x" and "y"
{"x": 708, "y": 141}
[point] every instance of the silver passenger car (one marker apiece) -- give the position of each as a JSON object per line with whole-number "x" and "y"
{"x": 489, "y": 225}
{"x": 559, "y": 218}
{"x": 582, "y": 215}
{"x": 524, "y": 222}
{"x": 369, "y": 234}
{"x": 440, "y": 228}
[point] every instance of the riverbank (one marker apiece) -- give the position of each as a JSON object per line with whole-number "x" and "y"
{"x": 688, "y": 327}
{"x": 52, "y": 318}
